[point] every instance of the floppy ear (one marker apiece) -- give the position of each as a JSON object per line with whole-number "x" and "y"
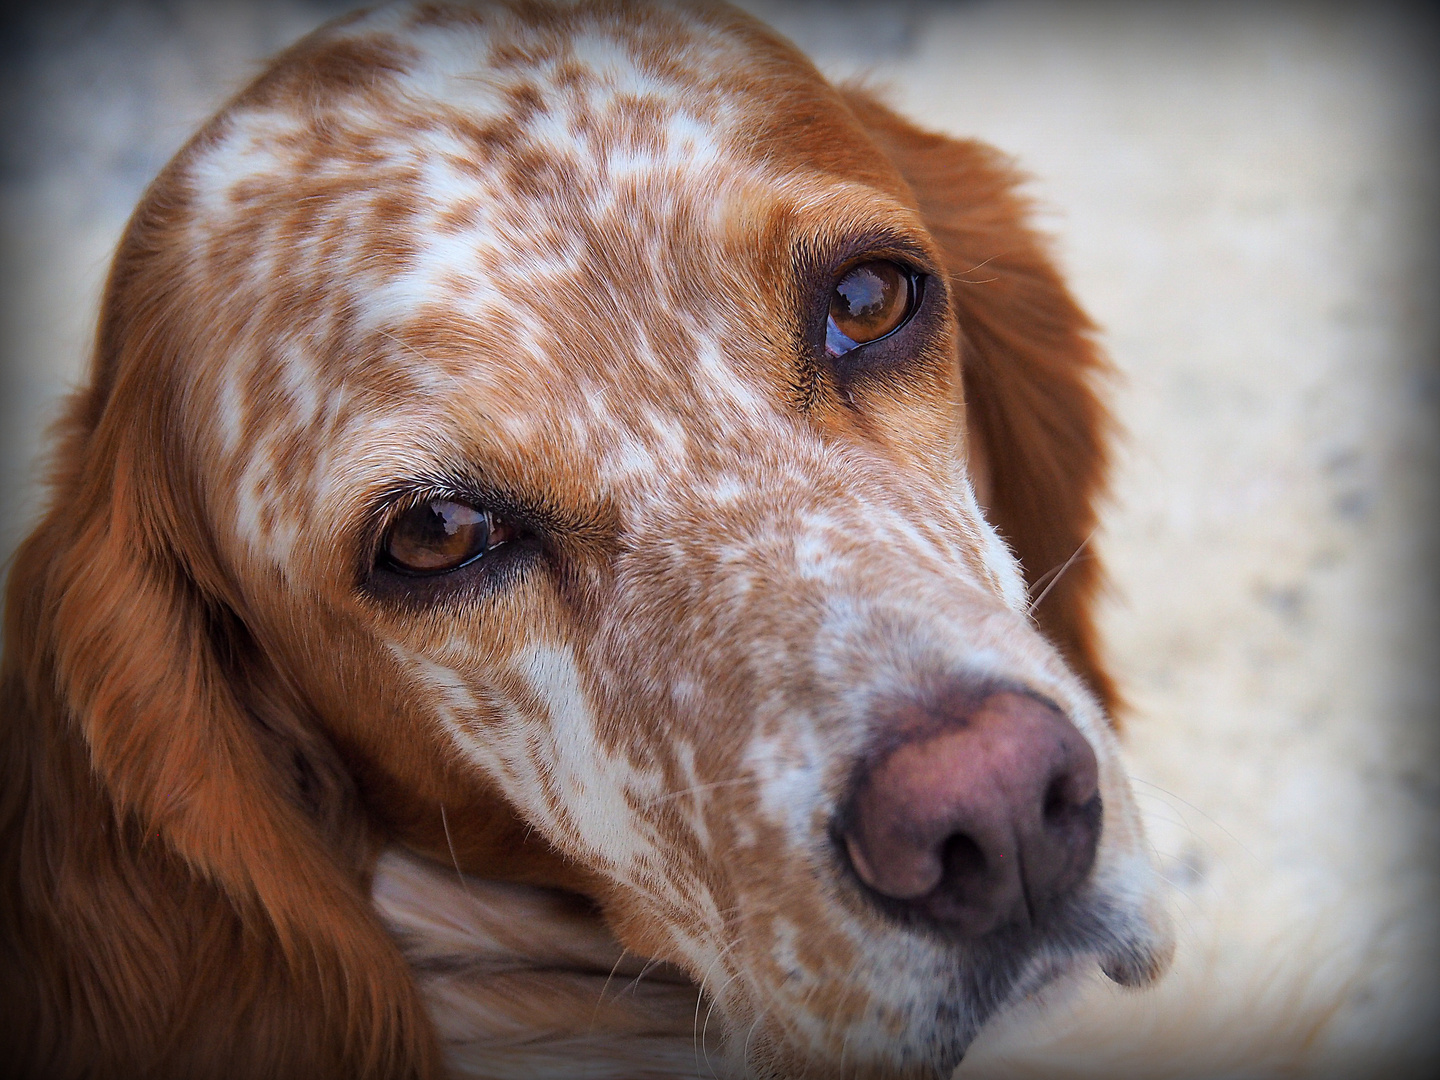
{"x": 1037, "y": 429}
{"x": 174, "y": 904}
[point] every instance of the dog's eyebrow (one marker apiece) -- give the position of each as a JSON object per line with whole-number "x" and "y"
{"x": 816, "y": 251}
{"x": 570, "y": 522}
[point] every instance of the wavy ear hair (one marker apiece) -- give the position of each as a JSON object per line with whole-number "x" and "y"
{"x": 182, "y": 862}
{"x": 1029, "y": 366}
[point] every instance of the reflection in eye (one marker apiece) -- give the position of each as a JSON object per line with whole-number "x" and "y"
{"x": 441, "y": 535}
{"x": 869, "y": 301}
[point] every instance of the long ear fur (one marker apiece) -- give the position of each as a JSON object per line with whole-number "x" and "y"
{"x": 1029, "y": 366}
{"x": 169, "y": 905}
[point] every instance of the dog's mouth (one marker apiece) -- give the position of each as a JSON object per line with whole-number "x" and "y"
{"x": 1050, "y": 977}
{"x": 937, "y": 1007}
{"x": 1016, "y": 964}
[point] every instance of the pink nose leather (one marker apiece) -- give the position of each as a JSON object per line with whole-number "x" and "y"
{"x": 986, "y": 813}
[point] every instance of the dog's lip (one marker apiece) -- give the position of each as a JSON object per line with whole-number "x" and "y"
{"x": 1137, "y": 967}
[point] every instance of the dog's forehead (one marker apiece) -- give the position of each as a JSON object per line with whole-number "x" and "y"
{"x": 548, "y": 102}
{"x": 472, "y": 144}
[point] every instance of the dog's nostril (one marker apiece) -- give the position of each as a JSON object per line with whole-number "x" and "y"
{"x": 989, "y": 814}
{"x": 1056, "y": 804}
{"x": 962, "y": 858}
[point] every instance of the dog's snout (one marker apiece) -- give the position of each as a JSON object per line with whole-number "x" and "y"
{"x": 985, "y": 813}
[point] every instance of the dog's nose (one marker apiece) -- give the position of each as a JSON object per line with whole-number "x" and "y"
{"x": 984, "y": 812}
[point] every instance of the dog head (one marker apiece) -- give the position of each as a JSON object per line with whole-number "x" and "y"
{"x": 572, "y": 417}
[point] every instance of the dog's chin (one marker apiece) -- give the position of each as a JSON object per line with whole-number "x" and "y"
{"x": 1010, "y": 986}
{"x": 1056, "y": 972}
{"x": 1050, "y": 983}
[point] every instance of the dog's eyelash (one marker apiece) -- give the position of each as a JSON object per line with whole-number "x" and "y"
{"x": 439, "y": 536}
{"x": 438, "y": 542}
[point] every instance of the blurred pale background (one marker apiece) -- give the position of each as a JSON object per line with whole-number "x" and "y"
{"x": 1245, "y": 198}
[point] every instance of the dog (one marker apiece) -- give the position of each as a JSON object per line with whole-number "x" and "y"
{"x": 568, "y": 562}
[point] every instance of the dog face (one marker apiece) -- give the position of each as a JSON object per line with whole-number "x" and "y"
{"x": 570, "y": 403}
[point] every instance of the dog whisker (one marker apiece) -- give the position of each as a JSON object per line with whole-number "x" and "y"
{"x": 697, "y": 788}
{"x": 454, "y": 859}
{"x": 698, "y": 1037}
{"x": 1172, "y": 797}
{"x": 600, "y": 1000}
{"x": 1056, "y": 573}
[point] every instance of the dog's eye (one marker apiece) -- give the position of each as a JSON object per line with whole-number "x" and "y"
{"x": 869, "y": 301}
{"x": 441, "y": 535}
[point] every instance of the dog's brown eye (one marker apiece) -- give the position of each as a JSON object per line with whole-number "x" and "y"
{"x": 441, "y": 535}
{"x": 869, "y": 301}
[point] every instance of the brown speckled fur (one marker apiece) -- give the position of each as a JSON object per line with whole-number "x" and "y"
{"x": 374, "y": 273}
